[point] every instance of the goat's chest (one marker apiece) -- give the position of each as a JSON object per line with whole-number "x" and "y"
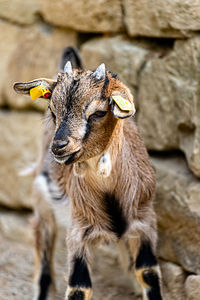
{"x": 96, "y": 208}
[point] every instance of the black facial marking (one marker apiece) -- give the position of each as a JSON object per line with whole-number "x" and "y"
{"x": 72, "y": 94}
{"x": 77, "y": 295}
{"x": 63, "y": 132}
{"x": 88, "y": 129}
{"x": 117, "y": 220}
{"x": 145, "y": 257}
{"x": 45, "y": 279}
{"x": 104, "y": 88}
{"x": 80, "y": 275}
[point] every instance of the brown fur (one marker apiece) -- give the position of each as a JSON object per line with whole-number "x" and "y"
{"x": 131, "y": 181}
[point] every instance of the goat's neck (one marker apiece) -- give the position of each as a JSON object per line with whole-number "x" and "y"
{"x": 101, "y": 165}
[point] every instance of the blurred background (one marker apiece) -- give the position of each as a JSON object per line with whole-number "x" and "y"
{"x": 154, "y": 47}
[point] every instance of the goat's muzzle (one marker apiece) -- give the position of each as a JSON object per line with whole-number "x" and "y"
{"x": 64, "y": 151}
{"x": 59, "y": 147}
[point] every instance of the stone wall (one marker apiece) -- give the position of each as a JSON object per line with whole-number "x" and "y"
{"x": 154, "y": 47}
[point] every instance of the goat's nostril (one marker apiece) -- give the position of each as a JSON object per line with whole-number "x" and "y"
{"x": 58, "y": 145}
{"x": 61, "y": 144}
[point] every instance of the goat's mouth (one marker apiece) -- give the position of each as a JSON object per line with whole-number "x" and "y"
{"x": 66, "y": 158}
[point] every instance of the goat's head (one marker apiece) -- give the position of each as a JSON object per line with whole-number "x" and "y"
{"x": 83, "y": 110}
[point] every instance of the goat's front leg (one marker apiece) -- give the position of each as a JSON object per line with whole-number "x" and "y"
{"x": 79, "y": 282}
{"x": 148, "y": 271}
{"x": 142, "y": 261}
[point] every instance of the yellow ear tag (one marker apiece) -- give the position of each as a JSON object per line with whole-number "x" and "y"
{"x": 39, "y": 91}
{"x": 122, "y": 103}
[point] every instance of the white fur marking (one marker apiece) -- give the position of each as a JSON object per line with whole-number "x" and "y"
{"x": 79, "y": 169}
{"x": 104, "y": 165}
{"x": 41, "y": 184}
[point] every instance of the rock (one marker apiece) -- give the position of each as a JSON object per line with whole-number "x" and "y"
{"x": 8, "y": 41}
{"x": 37, "y": 54}
{"x": 84, "y": 15}
{"x": 178, "y": 213}
{"x": 16, "y": 274}
{"x": 170, "y": 103}
{"x": 121, "y": 56}
{"x": 15, "y": 226}
{"x": 159, "y": 18}
{"x": 19, "y": 11}
{"x": 173, "y": 279}
{"x": 192, "y": 287}
{"x": 16, "y": 260}
{"x": 20, "y": 139}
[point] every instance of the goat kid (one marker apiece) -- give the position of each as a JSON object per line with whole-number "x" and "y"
{"x": 94, "y": 157}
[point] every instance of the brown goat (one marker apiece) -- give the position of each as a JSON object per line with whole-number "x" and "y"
{"x": 94, "y": 159}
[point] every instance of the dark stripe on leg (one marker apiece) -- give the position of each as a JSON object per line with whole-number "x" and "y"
{"x": 45, "y": 279}
{"x": 80, "y": 275}
{"x": 145, "y": 257}
{"x": 151, "y": 278}
{"x": 147, "y": 271}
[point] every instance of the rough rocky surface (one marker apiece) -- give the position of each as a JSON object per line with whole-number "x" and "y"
{"x": 192, "y": 287}
{"x": 20, "y": 139}
{"x": 8, "y": 40}
{"x": 169, "y": 18}
{"x": 120, "y": 55}
{"x": 28, "y": 62}
{"x": 169, "y": 102}
{"x": 173, "y": 281}
{"x": 19, "y": 11}
{"x": 84, "y": 15}
{"x": 177, "y": 206}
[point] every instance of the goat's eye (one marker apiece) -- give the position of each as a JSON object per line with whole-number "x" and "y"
{"x": 98, "y": 114}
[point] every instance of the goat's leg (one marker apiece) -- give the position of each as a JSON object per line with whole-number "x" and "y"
{"x": 44, "y": 227}
{"x": 44, "y": 238}
{"x": 146, "y": 267}
{"x": 148, "y": 271}
{"x": 127, "y": 261}
{"x": 79, "y": 282}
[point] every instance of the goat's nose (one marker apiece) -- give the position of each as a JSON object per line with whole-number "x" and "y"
{"x": 58, "y": 146}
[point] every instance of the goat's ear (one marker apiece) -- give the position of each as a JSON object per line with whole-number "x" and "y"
{"x": 122, "y": 106}
{"x": 39, "y": 88}
{"x": 70, "y": 54}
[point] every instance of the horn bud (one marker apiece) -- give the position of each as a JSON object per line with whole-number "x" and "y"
{"x": 68, "y": 67}
{"x": 100, "y": 72}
